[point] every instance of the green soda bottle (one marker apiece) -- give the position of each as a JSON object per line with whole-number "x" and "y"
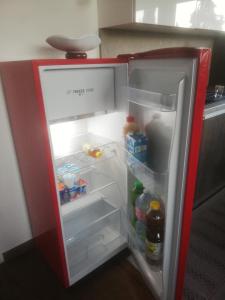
{"x": 136, "y": 191}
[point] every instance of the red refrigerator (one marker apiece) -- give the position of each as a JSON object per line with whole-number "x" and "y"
{"x": 67, "y": 117}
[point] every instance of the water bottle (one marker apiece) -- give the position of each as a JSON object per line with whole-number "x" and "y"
{"x": 136, "y": 191}
{"x": 141, "y": 206}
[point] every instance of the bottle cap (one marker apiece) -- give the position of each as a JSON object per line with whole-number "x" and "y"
{"x": 130, "y": 119}
{"x": 138, "y": 186}
{"x": 155, "y": 205}
{"x": 60, "y": 186}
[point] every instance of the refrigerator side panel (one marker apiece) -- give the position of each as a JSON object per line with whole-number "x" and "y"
{"x": 30, "y": 136}
{"x": 197, "y": 123}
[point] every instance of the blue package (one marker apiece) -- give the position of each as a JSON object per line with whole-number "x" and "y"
{"x": 137, "y": 145}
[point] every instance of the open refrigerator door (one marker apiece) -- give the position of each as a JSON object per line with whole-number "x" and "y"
{"x": 161, "y": 96}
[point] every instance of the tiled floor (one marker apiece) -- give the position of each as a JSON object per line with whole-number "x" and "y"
{"x": 205, "y": 272}
{"x": 28, "y": 277}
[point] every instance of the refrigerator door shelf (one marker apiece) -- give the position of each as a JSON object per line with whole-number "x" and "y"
{"x": 155, "y": 181}
{"x": 153, "y": 274}
{"x": 151, "y": 100}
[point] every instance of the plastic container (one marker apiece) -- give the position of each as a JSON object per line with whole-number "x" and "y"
{"x": 141, "y": 206}
{"x": 70, "y": 181}
{"x": 135, "y": 192}
{"x": 159, "y": 132}
{"x": 131, "y": 126}
{"x": 154, "y": 233}
{"x": 137, "y": 144}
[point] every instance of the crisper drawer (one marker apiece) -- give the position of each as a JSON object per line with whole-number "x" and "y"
{"x": 92, "y": 237}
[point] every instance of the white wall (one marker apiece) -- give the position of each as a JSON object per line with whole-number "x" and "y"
{"x": 116, "y": 42}
{"x": 24, "y": 26}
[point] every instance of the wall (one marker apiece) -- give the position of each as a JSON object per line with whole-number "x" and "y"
{"x": 117, "y": 41}
{"x": 24, "y": 26}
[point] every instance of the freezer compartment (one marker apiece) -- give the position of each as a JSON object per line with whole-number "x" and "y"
{"x": 93, "y": 233}
{"x": 83, "y": 90}
{"x": 74, "y": 91}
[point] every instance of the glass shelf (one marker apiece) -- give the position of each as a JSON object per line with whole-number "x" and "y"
{"x": 87, "y": 218}
{"x": 86, "y": 172}
{"x": 96, "y": 181}
{"x": 82, "y": 160}
{"x": 151, "y": 100}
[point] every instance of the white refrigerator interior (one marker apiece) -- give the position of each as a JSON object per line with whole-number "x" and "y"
{"x": 86, "y": 108}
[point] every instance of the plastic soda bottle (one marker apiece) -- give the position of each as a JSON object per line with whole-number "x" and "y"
{"x": 154, "y": 233}
{"x": 131, "y": 126}
{"x": 141, "y": 206}
{"x": 135, "y": 192}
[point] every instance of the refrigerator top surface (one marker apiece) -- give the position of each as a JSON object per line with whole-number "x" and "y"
{"x": 176, "y": 52}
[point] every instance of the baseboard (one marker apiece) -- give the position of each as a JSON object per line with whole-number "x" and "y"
{"x": 17, "y": 251}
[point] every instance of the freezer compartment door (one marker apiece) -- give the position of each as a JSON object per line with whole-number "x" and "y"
{"x": 74, "y": 91}
{"x": 160, "y": 97}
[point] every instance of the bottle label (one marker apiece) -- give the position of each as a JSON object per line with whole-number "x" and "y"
{"x": 140, "y": 214}
{"x": 153, "y": 250}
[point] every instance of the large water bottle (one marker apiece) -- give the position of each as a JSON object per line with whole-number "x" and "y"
{"x": 141, "y": 206}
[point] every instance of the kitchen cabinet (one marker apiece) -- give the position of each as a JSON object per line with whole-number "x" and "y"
{"x": 169, "y": 13}
{"x": 175, "y": 13}
{"x": 210, "y": 14}
{"x": 144, "y": 14}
